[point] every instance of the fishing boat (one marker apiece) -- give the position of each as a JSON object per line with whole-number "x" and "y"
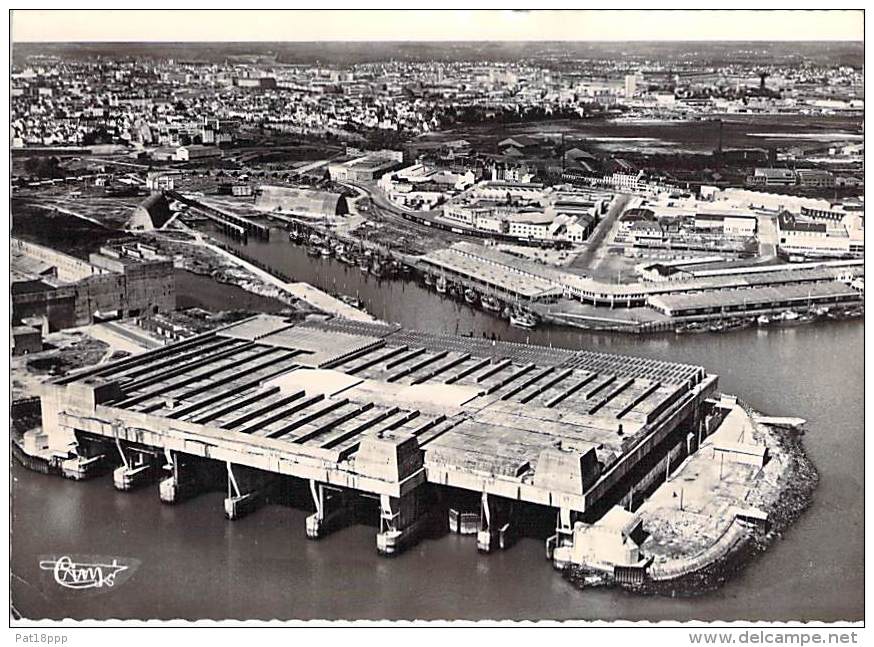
{"x": 691, "y": 328}
{"x": 737, "y": 324}
{"x": 792, "y": 318}
{"x": 325, "y": 252}
{"x": 429, "y": 280}
{"x": 440, "y": 285}
{"x": 490, "y": 303}
{"x": 355, "y": 302}
{"x": 470, "y": 296}
{"x": 522, "y": 319}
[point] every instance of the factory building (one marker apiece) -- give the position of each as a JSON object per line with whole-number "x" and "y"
{"x": 300, "y": 202}
{"x": 754, "y": 299}
{"x": 772, "y": 177}
{"x": 197, "y": 152}
{"x": 125, "y": 280}
{"x": 727, "y": 225}
{"x": 368, "y": 168}
{"x": 802, "y": 238}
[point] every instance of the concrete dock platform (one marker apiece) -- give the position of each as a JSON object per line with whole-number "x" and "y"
{"x": 372, "y": 409}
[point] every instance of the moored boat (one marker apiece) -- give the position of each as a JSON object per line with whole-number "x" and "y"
{"x": 490, "y": 303}
{"x": 522, "y": 318}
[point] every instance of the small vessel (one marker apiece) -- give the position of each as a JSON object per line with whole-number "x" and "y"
{"x": 355, "y": 302}
{"x": 522, "y": 318}
{"x": 737, "y": 324}
{"x": 376, "y": 269}
{"x": 440, "y": 285}
{"x": 470, "y": 296}
{"x": 763, "y": 320}
{"x": 490, "y": 303}
{"x": 313, "y": 250}
{"x": 325, "y": 252}
{"x": 429, "y": 280}
{"x": 693, "y": 327}
{"x": 789, "y": 318}
{"x": 364, "y": 265}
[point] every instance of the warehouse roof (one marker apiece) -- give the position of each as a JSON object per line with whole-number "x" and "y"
{"x": 300, "y": 201}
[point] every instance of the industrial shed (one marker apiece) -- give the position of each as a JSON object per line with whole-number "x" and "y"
{"x": 152, "y": 213}
{"x": 303, "y": 202}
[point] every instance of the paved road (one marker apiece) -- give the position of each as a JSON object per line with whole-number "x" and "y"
{"x": 767, "y": 235}
{"x": 585, "y": 259}
{"x": 382, "y": 209}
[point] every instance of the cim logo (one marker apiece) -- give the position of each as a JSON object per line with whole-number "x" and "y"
{"x": 88, "y": 572}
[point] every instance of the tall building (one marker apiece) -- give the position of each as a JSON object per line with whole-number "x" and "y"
{"x": 630, "y": 85}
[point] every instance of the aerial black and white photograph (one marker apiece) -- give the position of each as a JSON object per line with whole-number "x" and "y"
{"x": 459, "y": 317}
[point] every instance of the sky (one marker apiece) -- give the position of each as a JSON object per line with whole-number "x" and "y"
{"x": 426, "y": 25}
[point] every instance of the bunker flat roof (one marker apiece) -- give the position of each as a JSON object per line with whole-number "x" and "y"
{"x": 482, "y": 409}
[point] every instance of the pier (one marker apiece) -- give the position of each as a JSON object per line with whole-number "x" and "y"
{"x": 232, "y": 224}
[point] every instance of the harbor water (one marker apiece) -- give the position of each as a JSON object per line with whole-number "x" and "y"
{"x": 195, "y": 564}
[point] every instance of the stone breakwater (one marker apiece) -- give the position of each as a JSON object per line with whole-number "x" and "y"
{"x": 784, "y": 490}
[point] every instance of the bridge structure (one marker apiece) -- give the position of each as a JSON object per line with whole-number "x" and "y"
{"x": 372, "y": 411}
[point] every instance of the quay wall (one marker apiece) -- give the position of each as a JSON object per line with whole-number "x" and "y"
{"x": 69, "y": 268}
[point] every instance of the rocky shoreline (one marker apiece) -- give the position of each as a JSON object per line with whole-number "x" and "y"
{"x": 784, "y": 500}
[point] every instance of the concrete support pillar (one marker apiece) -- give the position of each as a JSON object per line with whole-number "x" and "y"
{"x": 80, "y": 468}
{"x": 247, "y": 490}
{"x": 402, "y": 521}
{"x": 187, "y": 477}
{"x": 139, "y": 467}
{"x": 495, "y": 529}
{"x": 87, "y": 459}
{"x": 332, "y": 510}
{"x": 560, "y": 545}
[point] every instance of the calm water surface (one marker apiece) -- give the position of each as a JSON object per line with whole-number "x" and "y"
{"x": 194, "y": 564}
